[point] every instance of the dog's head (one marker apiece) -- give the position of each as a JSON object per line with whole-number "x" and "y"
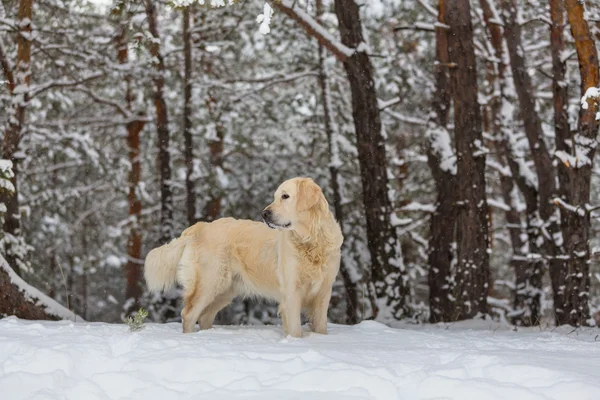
{"x": 294, "y": 201}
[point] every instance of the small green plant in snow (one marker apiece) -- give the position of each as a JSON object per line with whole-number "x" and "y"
{"x": 136, "y": 323}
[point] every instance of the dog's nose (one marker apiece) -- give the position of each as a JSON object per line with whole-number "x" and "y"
{"x": 266, "y": 214}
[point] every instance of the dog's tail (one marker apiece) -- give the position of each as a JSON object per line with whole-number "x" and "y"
{"x": 160, "y": 268}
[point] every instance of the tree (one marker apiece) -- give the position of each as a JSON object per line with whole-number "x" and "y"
{"x": 162, "y": 126}
{"x": 18, "y": 83}
{"x": 440, "y": 161}
{"x": 187, "y": 120}
{"x": 387, "y": 269}
{"x": 334, "y": 164}
{"x": 575, "y": 215}
{"x": 134, "y": 126}
{"x": 562, "y": 132}
{"x": 16, "y": 296}
{"x": 472, "y": 273}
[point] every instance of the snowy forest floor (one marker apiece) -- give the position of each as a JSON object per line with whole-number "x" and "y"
{"x": 472, "y": 360}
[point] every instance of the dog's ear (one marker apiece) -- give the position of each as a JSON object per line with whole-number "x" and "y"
{"x": 308, "y": 195}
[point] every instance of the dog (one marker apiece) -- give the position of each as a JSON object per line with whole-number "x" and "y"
{"x": 292, "y": 258}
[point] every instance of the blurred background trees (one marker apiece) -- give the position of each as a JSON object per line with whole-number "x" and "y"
{"x": 448, "y": 135}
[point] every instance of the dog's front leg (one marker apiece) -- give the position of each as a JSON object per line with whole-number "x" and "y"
{"x": 320, "y": 304}
{"x": 291, "y": 314}
{"x": 318, "y": 312}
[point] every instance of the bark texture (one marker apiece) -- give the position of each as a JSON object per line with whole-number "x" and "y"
{"x": 472, "y": 273}
{"x": 443, "y": 220}
{"x": 215, "y": 147}
{"x": 576, "y": 218}
{"x": 560, "y": 99}
{"x": 387, "y": 270}
{"x": 162, "y": 127}
{"x": 351, "y": 295}
{"x": 528, "y": 270}
{"x": 187, "y": 119}
{"x": 133, "y": 268}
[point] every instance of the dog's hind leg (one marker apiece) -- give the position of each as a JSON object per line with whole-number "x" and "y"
{"x": 208, "y": 315}
{"x": 198, "y": 296}
{"x": 196, "y": 303}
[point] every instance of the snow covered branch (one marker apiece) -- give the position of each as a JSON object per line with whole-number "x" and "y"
{"x": 5, "y": 63}
{"x": 429, "y": 8}
{"x": 101, "y": 100}
{"x": 313, "y": 28}
{"x": 35, "y": 90}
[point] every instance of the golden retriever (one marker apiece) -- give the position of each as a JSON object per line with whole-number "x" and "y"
{"x": 293, "y": 258}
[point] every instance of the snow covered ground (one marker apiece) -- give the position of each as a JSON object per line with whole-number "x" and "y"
{"x": 81, "y": 361}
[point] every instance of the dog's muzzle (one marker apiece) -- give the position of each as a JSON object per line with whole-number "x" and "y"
{"x": 267, "y": 216}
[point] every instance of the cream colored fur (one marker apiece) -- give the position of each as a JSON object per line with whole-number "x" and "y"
{"x": 295, "y": 263}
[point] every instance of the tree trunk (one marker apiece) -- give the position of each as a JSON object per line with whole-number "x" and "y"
{"x": 133, "y": 268}
{"x": 187, "y": 119}
{"x": 576, "y": 217}
{"x": 472, "y": 274}
{"x": 351, "y": 295}
{"x": 21, "y": 79}
{"x": 528, "y": 270}
{"x": 562, "y": 137}
{"x": 387, "y": 270}
{"x": 162, "y": 126}
{"x": 443, "y": 220}
{"x": 531, "y": 119}
{"x": 215, "y": 147}
{"x": 548, "y": 221}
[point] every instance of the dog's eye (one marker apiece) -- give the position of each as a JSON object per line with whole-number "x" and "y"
{"x": 285, "y": 196}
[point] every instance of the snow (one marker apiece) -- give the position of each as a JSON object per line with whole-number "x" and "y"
{"x": 591, "y": 94}
{"x": 416, "y": 206}
{"x": 264, "y": 19}
{"x": 441, "y": 145}
{"x": 473, "y": 360}
{"x": 6, "y": 167}
{"x": 51, "y": 306}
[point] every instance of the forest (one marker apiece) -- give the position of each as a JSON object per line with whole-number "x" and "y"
{"x": 455, "y": 141}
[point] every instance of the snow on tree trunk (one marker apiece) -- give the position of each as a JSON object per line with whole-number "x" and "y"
{"x": 562, "y": 138}
{"x": 575, "y": 216}
{"x": 473, "y": 272}
{"x": 441, "y": 161}
{"x": 546, "y": 176}
{"x": 19, "y": 83}
{"x": 528, "y": 269}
